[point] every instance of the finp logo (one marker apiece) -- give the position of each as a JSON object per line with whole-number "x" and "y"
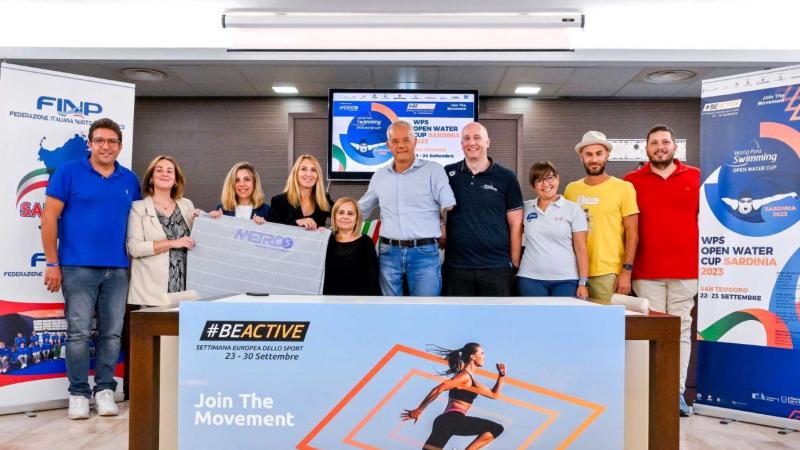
{"x": 66, "y": 107}
{"x": 36, "y": 258}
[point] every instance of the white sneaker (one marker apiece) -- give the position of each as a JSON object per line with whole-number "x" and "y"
{"x": 105, "y": 403}
{"x": 78, "y": 407}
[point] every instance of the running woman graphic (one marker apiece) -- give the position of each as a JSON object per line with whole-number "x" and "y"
{"x": 454, "y": 421}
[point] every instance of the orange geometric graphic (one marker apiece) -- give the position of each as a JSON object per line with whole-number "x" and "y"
{"x": 596, "y": 409}
{"x": 552, "y": 415}
{"x": 385, "y": 110}
{"x": 792, "y": 103}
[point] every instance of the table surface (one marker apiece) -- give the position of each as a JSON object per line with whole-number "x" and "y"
{"x": 662, "y": 330}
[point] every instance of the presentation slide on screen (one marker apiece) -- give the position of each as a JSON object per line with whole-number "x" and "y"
{"x": 359, "y": 122}
{"x": 339, "y": 374}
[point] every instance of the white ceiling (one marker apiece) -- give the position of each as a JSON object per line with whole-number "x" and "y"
{"x": 251, "y": 79}
{"x": 623, "y": 41}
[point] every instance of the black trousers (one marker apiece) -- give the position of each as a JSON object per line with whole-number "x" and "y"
{"x": 477, "y": 282}
{"x": 454, "y": 423}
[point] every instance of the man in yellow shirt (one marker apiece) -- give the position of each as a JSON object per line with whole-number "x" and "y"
{"x": 613, "y": 216}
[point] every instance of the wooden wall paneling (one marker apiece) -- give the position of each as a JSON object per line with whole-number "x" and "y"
{"x": 209, "y": 135}
{"x": 552, "y": 127}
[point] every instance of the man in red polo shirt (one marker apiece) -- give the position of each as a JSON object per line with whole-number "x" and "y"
{"x": 668, "y": 193}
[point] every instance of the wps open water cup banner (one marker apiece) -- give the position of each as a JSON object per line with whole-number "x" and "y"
{"x": 749, "y": 315}
{"x": 44, "y": 121}
{"x": 338, "y": 375}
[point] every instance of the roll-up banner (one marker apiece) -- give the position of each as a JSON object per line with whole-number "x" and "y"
{"x": 44, "y": 121}
{"x": 748, "y": 314}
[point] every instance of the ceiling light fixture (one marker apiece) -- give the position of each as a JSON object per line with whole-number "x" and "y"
{"x": 527, "y": 90}
{"x": 142, "y": 74}
{"x": 669, "y": 76}
{"x": 285, "y": 89}
{"x": 271, "y": 19}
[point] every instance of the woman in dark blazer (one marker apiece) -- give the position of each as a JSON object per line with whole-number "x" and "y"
{"x": 304, "y": 202}
{"x": 242, "y": 196}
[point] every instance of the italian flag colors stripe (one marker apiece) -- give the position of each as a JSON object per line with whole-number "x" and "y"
{"x": 339, "y": 156}
{"x": 371, "y": 228}
{"x": 31, "y": 181}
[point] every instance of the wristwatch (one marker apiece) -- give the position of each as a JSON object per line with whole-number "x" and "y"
{"x": 582, "y": 281}
{"x": 628, "y": 267}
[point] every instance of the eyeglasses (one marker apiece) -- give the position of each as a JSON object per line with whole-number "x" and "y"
{"x": 550, "y": 179}
{"x": 100, "y": 141}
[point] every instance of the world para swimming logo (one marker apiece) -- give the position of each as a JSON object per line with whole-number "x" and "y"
{"x": 755, "y": 191}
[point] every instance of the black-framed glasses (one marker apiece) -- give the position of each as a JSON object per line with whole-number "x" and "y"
{"x": 110, "y": 141}
{"x": 550, "y": 179}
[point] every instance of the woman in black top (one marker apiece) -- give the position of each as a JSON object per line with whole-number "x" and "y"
{"x": 463, "y": 388}
{"x": 351, "y": 265}
{"x": 304, "y": 201}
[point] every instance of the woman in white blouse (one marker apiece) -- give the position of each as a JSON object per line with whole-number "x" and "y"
{"x": 242, "y": 196}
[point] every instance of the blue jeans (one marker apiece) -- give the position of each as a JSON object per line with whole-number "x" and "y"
{"x": 420, "y": 265}
{"x": 86, "y": 290}
{"x": 528, "y": 287}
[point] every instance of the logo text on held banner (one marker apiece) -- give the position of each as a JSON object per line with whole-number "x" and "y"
{"x": 265, "y": 240}
{"x": 249, "y": 330}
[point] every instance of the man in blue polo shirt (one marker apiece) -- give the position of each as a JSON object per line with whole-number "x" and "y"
{"x": 414, "y": 198}
{"x": 34, "y": 337}
{"x": 19, "y": 339}
{"x": 84, "y": 226}
{"x": 5, "y": 357}
{"x": 484, "y": 234}
{"x": 47, "y": 350}
{"x": 23, "y": 356}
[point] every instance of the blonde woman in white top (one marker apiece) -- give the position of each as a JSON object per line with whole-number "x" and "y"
{"x": 242, "y": 196}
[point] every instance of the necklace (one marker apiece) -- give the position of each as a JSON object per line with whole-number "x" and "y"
{"x": 165, "y": 207}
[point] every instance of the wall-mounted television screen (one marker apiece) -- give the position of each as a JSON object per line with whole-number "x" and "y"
{"x": 358, "y": 120}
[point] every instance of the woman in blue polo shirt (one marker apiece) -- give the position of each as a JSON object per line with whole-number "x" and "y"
{"x": 242, "y": 196}
{"x": 555, "y": 262}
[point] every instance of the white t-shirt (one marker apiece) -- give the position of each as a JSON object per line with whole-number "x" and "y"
{"x": 244, "y": 211}
{"x": 549, "y": 254}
